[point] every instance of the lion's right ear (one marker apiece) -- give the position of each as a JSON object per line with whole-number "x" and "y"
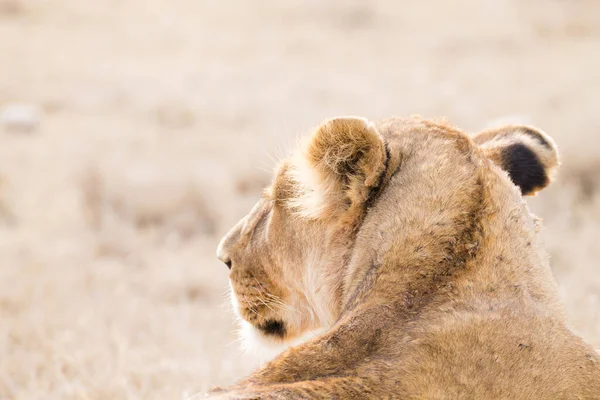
{"x": 527, "y": 154}
{"x": 343, "y": 160}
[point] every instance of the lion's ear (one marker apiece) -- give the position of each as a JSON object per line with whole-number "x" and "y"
{"x": 527, "y": 154}
{"x": 343, "y": 160}
{"x": 347, "y": 148}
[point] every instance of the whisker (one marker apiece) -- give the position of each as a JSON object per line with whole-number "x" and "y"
{"x": 273, "y": 299}
{"x": 283, "y": 307}
{"x": 248, "y": 301}
{"x": 282, "y": 304}
{"x": 266, "y": 305}
{"x": 254, "y": 310}
{"x": 258, "y": 282}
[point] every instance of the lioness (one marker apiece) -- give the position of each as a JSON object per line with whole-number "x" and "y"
{"x": 406, "y": 254}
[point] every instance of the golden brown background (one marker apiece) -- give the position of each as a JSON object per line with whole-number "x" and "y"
{"x": 146, "y": 129}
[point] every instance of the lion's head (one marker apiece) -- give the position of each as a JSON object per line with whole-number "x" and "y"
{"x": 290, "y": 257}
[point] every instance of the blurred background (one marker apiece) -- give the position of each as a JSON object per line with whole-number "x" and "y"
{"x": 135, "y": 133}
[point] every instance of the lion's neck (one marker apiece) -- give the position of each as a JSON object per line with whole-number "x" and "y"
{"x": 493, "y": 248}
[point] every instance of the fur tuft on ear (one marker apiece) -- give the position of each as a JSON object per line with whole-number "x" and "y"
{"x": 528, "y": 155}
{"x": 339, "y": 165}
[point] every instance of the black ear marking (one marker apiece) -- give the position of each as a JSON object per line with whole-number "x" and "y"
{"x": 524, "y": 168}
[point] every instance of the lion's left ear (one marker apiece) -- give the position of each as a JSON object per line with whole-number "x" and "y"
{"x": 343, "y": 161}
{"x": 527, "y": 154}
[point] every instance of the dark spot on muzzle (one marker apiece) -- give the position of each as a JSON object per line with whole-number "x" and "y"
{"x": 273, "y": 328}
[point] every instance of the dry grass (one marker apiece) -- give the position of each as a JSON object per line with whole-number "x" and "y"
{"x": 158, "y": 118}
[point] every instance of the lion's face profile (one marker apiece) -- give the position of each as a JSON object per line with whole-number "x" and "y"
{"x": 287, "y": 255}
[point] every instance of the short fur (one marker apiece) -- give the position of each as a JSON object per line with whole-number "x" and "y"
{"x": 407, "y": 244}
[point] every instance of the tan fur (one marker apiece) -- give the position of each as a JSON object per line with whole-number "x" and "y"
{"x": 421, "y": 264}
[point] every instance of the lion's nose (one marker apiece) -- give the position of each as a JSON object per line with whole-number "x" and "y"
{"x": 228, "y": 263}
{"x": 227, "y": 244}
{"x": 224, "y": 257}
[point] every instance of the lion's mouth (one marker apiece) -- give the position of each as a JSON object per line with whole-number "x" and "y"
{"x": 269, "y": 326}
{"x": 273, "y": 327}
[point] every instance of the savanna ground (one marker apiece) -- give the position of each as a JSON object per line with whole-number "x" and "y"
{"x": 158, "y": 123}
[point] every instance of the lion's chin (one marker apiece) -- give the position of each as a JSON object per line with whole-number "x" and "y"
{"x": 271, "y": 339}
{"x": 265, "y": 346}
